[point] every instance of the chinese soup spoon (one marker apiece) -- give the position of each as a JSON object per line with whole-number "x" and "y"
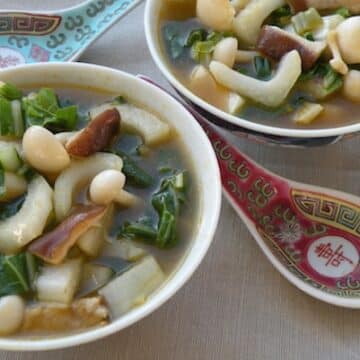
{"x": 310, "y": 234}
{"x": 63, "y": 35}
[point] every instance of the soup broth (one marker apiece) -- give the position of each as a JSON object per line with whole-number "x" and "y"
{"x": 178, "y": 24}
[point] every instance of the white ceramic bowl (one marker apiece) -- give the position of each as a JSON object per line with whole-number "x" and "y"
{"x": 199, "y": 149}
{"x": 240, "y": 126}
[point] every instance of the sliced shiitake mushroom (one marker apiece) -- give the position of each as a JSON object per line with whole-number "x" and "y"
{"x": 275, "y": 43}
{"x": 54, "y": 246}
{"x": 96, "y": 136}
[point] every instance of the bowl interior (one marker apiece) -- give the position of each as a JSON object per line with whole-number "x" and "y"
{"x": 197, "y": 146}
{"x": 152, "y": 32}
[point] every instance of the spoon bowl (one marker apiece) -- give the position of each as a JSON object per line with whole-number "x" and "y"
{"x": 310, "y": 234}
{"x": 63, "y": 35}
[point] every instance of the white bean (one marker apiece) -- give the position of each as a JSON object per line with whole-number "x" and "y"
{"x": 352, "y": 86}
{"x": 12, "y": 310}
{"x": 348, "y": 36}
{"x": 44, "y": 151}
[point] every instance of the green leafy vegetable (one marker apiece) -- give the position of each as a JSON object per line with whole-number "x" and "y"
{"x": 7, "y": 120}
{"x": 11, "y": 208}
{"x": 9, "y": 91}
{"x": 119, "y": 100}
{"x": 174, "y": 40}
{"x": 43, "y": 109}
{"x": 262, "y": 67}
{"x": 280, "y": 17}
{"x": 202, "y": 50}
{"x": 324, "y": 78}
{"x": 167, "y": 203}
{"x": 2, "y": 181}
{"x": 135, "y": 175}
{"x": 195, "y": 36}
{"x": 13, "y": 275}
{"x": 142, "y": 228}
{"x": 344, "y": 12}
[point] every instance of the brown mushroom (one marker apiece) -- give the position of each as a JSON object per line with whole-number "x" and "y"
{"x": 54, "y": 246}
{"x": 275, "y": 43}
{"x": 301, "y": 5}
{"x": 96, "y": 136}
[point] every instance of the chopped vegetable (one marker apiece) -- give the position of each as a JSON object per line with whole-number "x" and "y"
{"x": 29, "y": 222}
{"x": 58, "y": 283}
{"x": 305, "y": 21}
{"x": 93, "y": 277}
{"x": 307, "y": 113}
{"x": 14, "y": 186}
{"x": 9, "y": 91}
{"x": 116, "y": 264}
{"x": 135, "y": 175}
{"x": 195, "y": 36}
{"x": 13, "y": 275}
{"x": 9, "y": 157}
{"x": 136, "y": 285}
{"x": 43, "y": 109}
{"x": 125, "y": 249}
{"x": 17, "y": 118}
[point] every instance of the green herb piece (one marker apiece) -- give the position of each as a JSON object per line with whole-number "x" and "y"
{"x": 166, "y": 236}
{"x": 173, "y": 38}
{"x": 344, "y": 12}
{"x": 202, "y": 50}
{"x": 119, "y": 100}
{"x": 280, "y": 17}
{"x": 7, "y": 121}
{"x": 195, "y": 36}
{"x": 262, "y": 67}
{"x": 138, "y": 229}
{"x": 27, "y": 172}
{"x": 9, "y": 91}
{"x": 323, "y": 79}
{"x": 305, "y": 21}
{"x": 309, "y": 36}
{"x": 333, "y": 81}
{"x": 13, "y": 275}
{"x": 2, "y": 180}
{"x": 135, "y": 175}
{"x": 11, "y": 208}
{"x": 43, "y": 109}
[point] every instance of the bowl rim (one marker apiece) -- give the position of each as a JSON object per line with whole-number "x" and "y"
{"x": 153, "y": 42}
{"x": 209, "y": 217}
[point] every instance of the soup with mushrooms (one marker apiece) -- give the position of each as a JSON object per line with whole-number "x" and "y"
{"x": 282, "y": 63}
{"x": 94, "y": 210}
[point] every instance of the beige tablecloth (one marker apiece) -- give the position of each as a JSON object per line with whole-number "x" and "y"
{"x": 236, "y": 306}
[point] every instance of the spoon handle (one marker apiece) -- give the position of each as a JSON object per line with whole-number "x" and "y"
{"x": 63, "y": 35}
